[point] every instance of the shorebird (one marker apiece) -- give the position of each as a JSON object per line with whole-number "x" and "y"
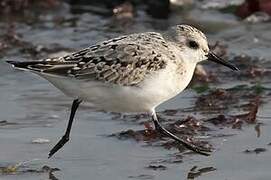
{"x": 131, "y": 73}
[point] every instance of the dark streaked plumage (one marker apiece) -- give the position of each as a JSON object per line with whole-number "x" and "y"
{"x": 125, "y": 60}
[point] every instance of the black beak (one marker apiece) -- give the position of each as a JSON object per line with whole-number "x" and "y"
{"x": 212, "y": 57}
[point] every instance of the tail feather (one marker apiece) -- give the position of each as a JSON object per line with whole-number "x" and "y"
{"x": 23, "y": 64}
{"x": 54, "y": 68}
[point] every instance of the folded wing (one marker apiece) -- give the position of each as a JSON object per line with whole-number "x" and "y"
{"x": 117, "y": 61}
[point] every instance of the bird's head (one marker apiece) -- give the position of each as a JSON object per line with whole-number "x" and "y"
{"x": 194, "y": 45}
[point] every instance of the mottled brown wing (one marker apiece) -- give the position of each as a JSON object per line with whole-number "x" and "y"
{"x": 125, "y": 64}
{"x": 125, "y": 60}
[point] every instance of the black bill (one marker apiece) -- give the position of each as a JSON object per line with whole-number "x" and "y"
{"x": 212, "y": 57}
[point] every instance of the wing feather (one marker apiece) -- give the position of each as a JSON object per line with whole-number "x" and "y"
{"x": 125, "y": 60}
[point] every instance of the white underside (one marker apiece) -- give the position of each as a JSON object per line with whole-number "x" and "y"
{"x": 156, "y": 89}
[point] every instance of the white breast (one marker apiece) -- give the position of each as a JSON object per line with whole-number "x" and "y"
{"x": 167, "y": 83}
{"x": 157, "y": 88}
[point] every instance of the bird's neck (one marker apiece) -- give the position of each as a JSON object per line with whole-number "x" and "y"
{"x": 185, "y": 72}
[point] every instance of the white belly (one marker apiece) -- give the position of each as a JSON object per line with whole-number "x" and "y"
{"x": 151, "y": 92}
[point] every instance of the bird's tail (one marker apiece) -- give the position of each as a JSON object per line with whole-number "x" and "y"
{"x": 24, "y": 65}
{"x": 58, "y": 68}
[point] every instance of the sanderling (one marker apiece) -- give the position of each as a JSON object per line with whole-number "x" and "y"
{"x": 132, "y": 73}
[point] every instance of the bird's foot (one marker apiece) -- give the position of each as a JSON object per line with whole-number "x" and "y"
{"x": 59, "y": 145}
{"x": 188, "y": 145}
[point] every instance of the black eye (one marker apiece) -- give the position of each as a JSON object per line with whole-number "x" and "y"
{"x": 193, "y": 44}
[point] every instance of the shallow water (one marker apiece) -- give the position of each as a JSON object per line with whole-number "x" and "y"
{"x": 36, "y": 109}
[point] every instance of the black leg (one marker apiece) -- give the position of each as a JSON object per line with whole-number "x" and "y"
{"x": 66, "y": 136}
{"x": 188, "y": 145}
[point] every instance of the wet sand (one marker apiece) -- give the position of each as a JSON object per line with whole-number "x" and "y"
{"x": 31, "y": 108}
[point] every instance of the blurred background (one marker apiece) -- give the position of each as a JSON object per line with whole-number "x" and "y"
{"x": 227, "y": 111}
